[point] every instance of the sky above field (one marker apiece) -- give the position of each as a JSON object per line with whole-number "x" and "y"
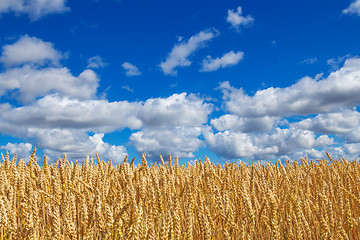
{"x": 250, "y": 80}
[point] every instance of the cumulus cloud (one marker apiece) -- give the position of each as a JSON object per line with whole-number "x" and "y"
{"x": 33, "y": 71}
{"x": 354, "y": 8}
{"x": 236, "y": 19}
{"x": 62, "y": 114}
{"x": 178, "y": 141}
{"x": 35, "y": 9}
{"x": 353, "y": 136}
{"x": 28, "y": 83}
{"x": 76, "y": 144}
{"x": 347, "y": 151}
{"x": 308, "y": 96}
{"x": 309, "y": 137}
{"x": 277, "y": 143}
{"x": 241, "y": 124}
{"x": 332, "y": 99}
{"x": 180, "y": 53}
{"x": 23, "y": 150}
{"x": 352, "y": 148}
{"x": 345, "y": 124}
{"x": 176, "y": 110}
{"x": 229, "y": 59}
{"x": 61, "y": 124}
{"x": 309, "y": 153}
{"x": 234, "y": 145}
{"x": 131, "y": 70}
{"x": 30, "y": 50}
{"x": 342, "y": 122}
{"x": 116, "y": 153}
{"x": 54, "y": 111}
{"x": 96, "y": 62}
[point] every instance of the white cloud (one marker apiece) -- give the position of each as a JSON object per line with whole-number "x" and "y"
{"x": 178, "y": 141}
{"x": 353, "y": 136}
{"x": 277, "y": 143}
{"x": 234, "y": 145}
{"x": 343, "y": 122}
{"x": 29, "y": 83}
{"x": 131, "y": 70}
{"x": 116, "y": 153}
{"x": 62, "y": 115}
{"x": 241, "y": 124}
{"x": 27, "y": 77}
{"x": 127, "y": 88}
{"x": 76, "y": 144}
{"x": 61, "y": 124}
{"x": 177, "y": 110}
{"x": 96, "y": 62}
{"x": 352, "y": 148}
{"x": 179, "y": 55}
{"x": 336, "y": 63}
{"x": 309, "y": 153}
{"x": 34, "y": 8}
{"x": 310, "y": 61}
{"x": 23, "y": 150}
{"x": 229, "y": 59}
{"x": 30, "y": 50}
{"x": 308, "y": 96}
{"x": 54, "y": 111}
{"x": 236, "y": 19}
{"x": 333, "y": 99}
{"x": 348, "y": 151}
{"x": 336, "y": 152}
{"x": 354, "y": 8}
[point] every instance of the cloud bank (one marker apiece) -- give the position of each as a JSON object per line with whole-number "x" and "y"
{"x": 44, "y": 104}
{"x": 308, "y": 96}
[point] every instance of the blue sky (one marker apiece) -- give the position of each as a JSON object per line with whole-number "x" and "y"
{"x": 249, "y": 80}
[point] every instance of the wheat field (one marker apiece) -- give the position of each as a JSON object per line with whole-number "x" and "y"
{"x": 97, "y": 200}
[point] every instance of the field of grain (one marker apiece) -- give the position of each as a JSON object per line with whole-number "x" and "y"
{"x": 97, "y": 200}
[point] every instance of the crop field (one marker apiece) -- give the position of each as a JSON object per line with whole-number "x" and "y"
{"x": 318, "y": 199}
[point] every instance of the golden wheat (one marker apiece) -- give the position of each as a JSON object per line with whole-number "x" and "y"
{"x": 298, "y": 200}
